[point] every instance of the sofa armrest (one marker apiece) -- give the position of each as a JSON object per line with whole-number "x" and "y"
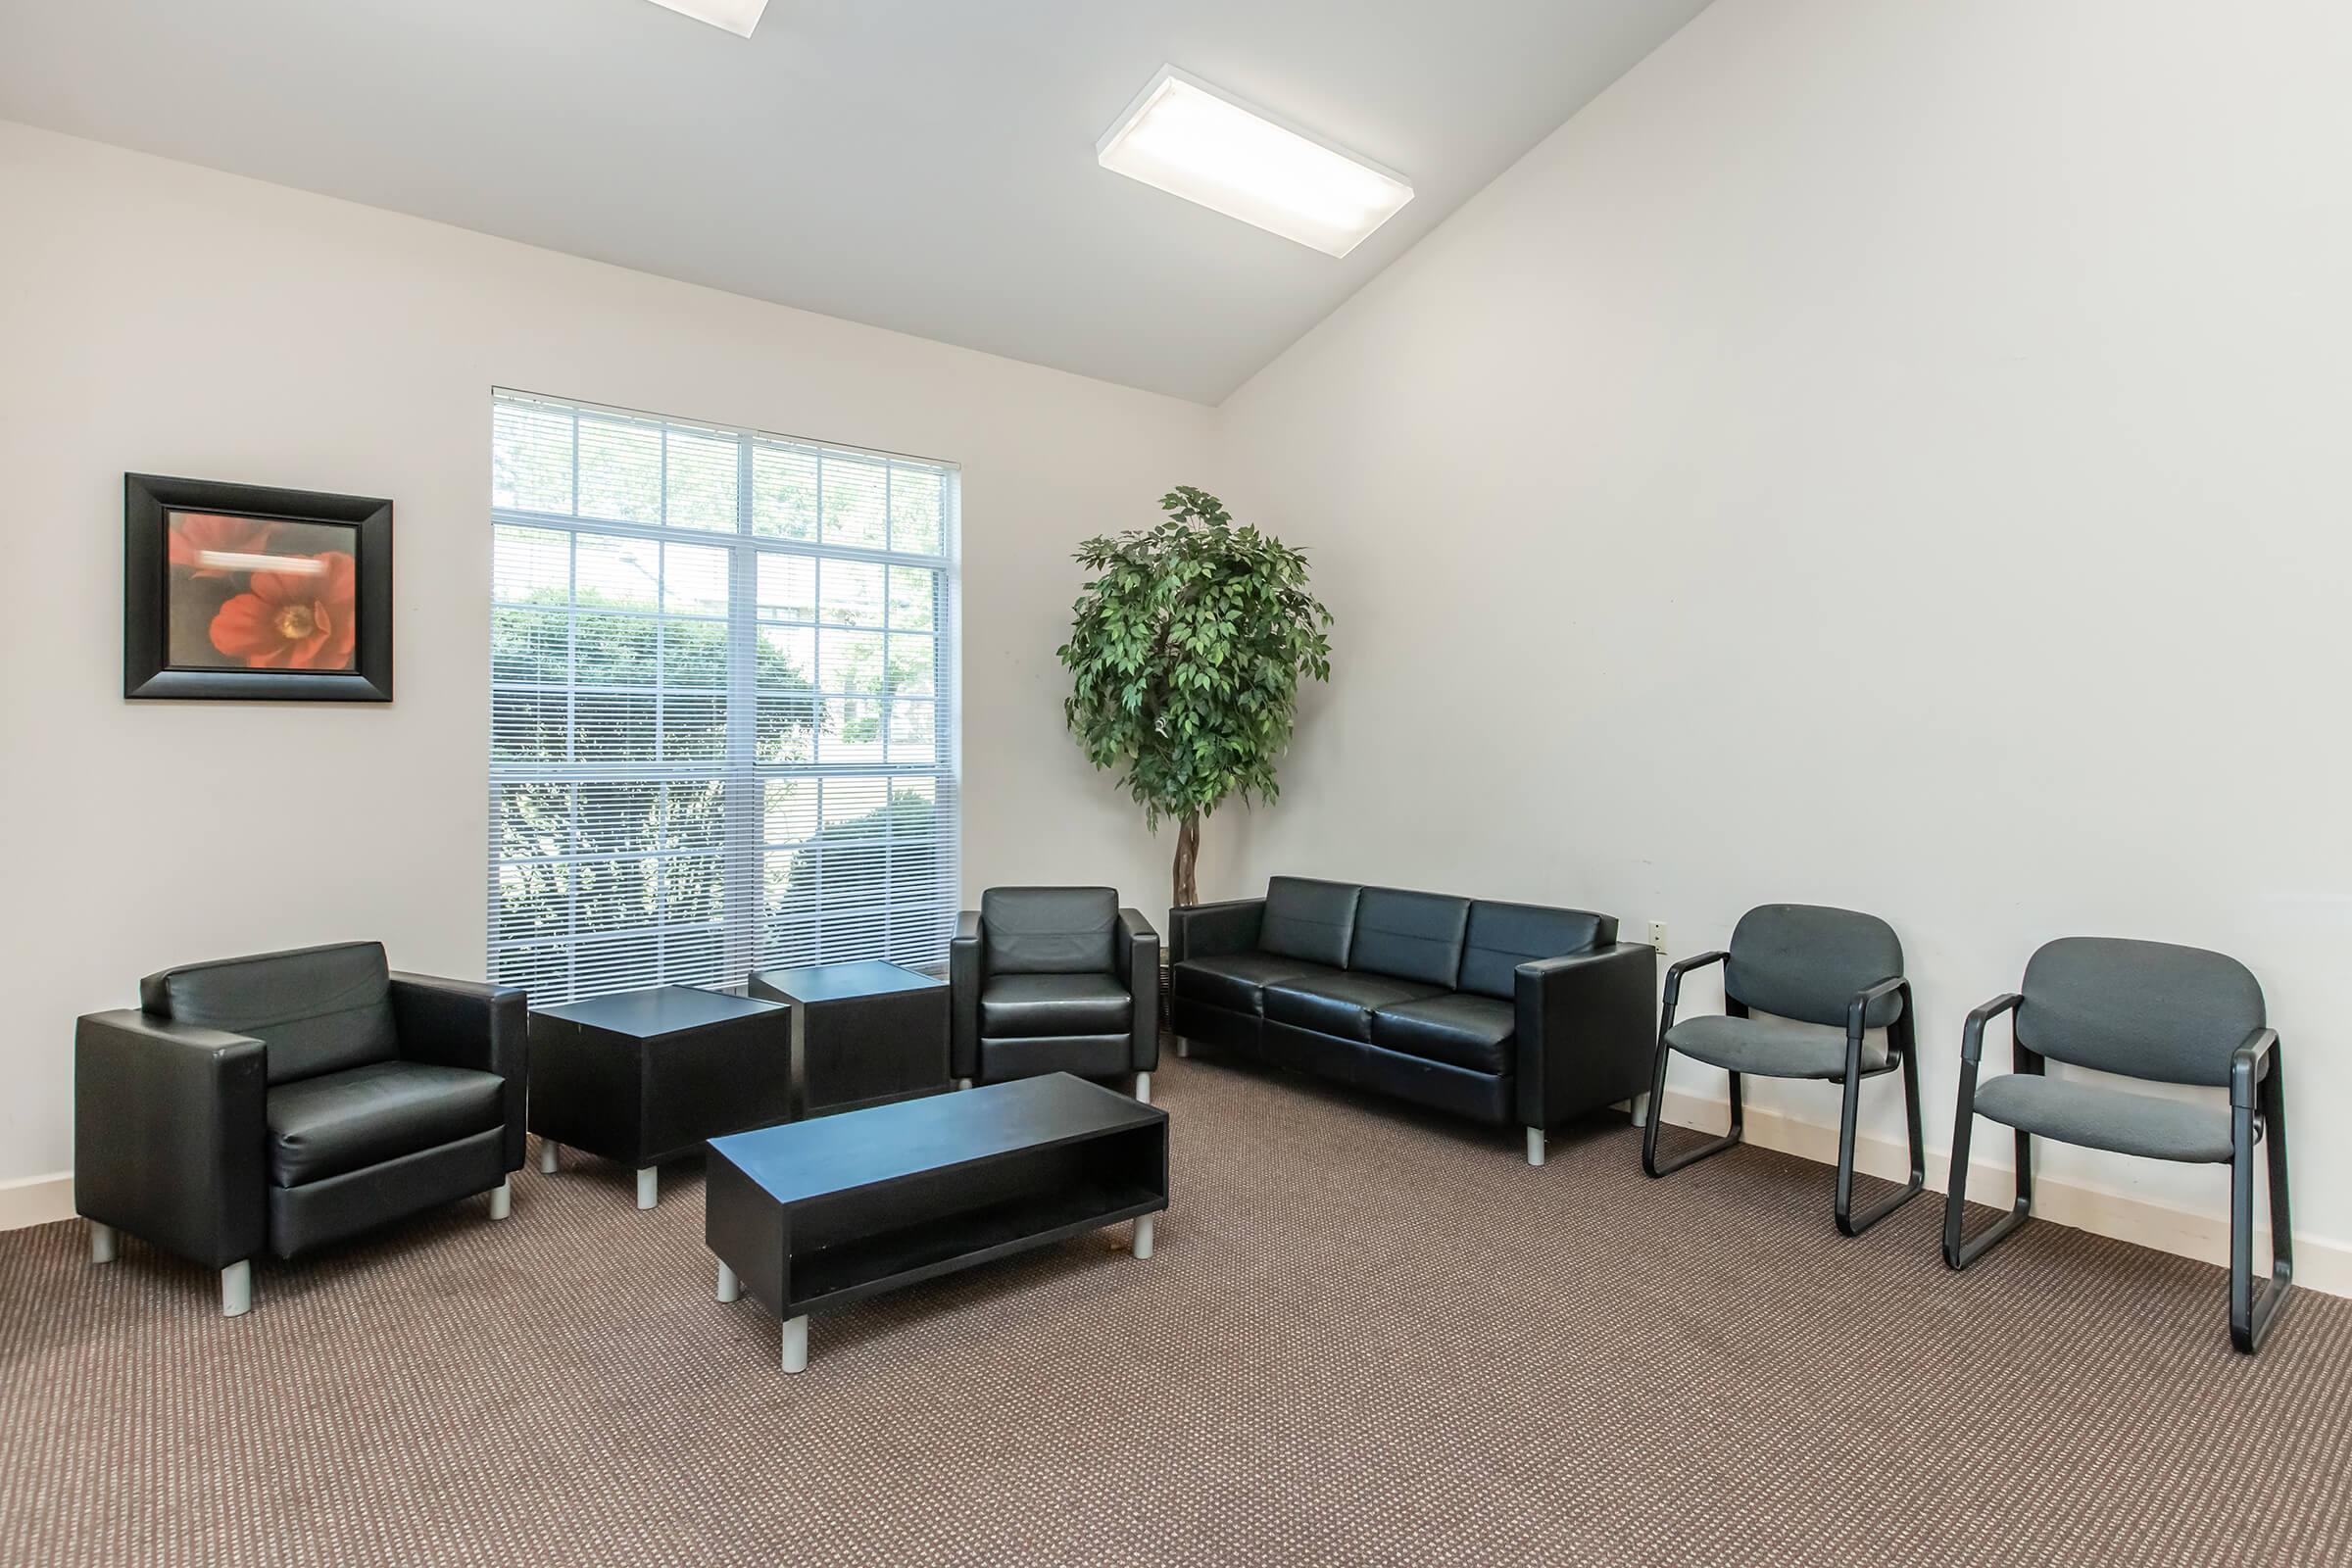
{"x": 1137, "y": 953}
{"x": 1583, "y": 1031}
{"x": 466, "y": 1023}
{"x": 966, "y": 964}
{"x": 169, "y": 1134}
{"x": 1204, "y": 930}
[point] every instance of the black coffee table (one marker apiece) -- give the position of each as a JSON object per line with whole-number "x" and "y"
{"x": 645, "y": 1076}
{"x": 862, "y": 1034}
{"x": 817, "y": 1216}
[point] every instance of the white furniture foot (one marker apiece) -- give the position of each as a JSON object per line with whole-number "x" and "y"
{"x": 102, "y": 1243}
{"x": 1642, "y": 1108}
{"x": 1142, "y": 1088}
{"x": 1535, "y": 1146}
{"x": 648, "y": 1187}
{"x": 729, "y": 1287}
{"x": 1184, "y": 1047}
{"x": 795, "y": 1343}
{"x": 1143, "y": 1236}
{"x": 963, "y": 1083}
{"x": 502, "y": 1200}
{"x": 549, "y": 1152}
{"x": 236, "y": 1289}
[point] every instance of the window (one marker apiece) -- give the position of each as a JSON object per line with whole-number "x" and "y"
{"x": 722, "y": 733}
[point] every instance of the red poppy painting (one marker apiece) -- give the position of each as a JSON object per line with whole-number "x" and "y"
{"x": 252, "y": 593}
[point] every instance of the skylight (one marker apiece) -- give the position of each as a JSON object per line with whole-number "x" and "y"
{"x": 738, "y": 17}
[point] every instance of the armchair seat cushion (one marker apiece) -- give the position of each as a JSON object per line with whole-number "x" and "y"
{"x": 1460, "y": 1030}
{"x": 2099, "y": 1117}
{"x": 1339, "y": 1005}
{"x": 1016, "y": 1006}
{"x": 1239, "y": 980}
{"x": 340, "y": 1122}
{"x": 1770, "y": 1048}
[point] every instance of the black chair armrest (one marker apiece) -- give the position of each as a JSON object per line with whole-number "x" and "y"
{"x": 1584, "y": 1030}
{"x": 1137, "y": 953}
{"x": 1858, "y": 1019}
{"x": 1674, "y": 983}
{"x": 1205, "y": 930}
{"x": 169, "y": 1134}
{"x": 1971, "y": 1037}
{"x": 2249, "y": 1064}
{"x": 466, "y": 1023}
{"x": 966, "y": 964}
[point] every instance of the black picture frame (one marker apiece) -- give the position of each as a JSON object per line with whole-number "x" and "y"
{"x": 148, "y": 670}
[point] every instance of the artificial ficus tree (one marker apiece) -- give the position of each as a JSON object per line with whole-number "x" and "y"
{"x": 1185, "y": 656}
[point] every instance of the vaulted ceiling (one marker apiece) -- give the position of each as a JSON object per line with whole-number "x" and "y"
{"x": 926, "y": 166}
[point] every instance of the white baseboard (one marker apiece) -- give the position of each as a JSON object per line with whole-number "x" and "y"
{"x": 36, "y": 1201}
{"x": 2321, "y": 1263}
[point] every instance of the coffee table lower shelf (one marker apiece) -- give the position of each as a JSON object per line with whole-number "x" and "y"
{"x": 820, "y": 1215}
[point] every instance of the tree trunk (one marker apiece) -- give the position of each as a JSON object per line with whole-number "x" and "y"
{"x": 1187, "y": 856}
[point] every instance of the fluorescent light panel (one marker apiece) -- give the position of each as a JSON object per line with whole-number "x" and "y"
{"x": 1191, "y": 140}
{"x": 738, "y": 17}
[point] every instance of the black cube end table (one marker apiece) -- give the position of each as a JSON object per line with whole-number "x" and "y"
{"x": 646, "y": 1076}
{"x": 862, "y": 1034}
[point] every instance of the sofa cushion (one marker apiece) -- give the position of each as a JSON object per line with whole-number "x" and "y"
{"x": 1048, "y": 930}
{"x": 1411, "y": 936}
{"x": 1503, "y": 936}
{"x": 1014, "y": 1005}
{"x": 315, "y": 1009}
{"x": 360, "y": 1116}
{"x": 1459, "y": 1030}
{"x": 1339, "y": 1005}
{"x": 1308, "y": 919}
{"x": 1238, "y": 980}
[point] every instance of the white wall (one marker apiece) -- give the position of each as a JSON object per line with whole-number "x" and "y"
{"x": 1879, "y": 454}
{"x": 159, "y": 317}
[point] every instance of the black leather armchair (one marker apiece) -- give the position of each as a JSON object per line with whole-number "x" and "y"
{"x": 284, "y": 1102}
{"x": 1053, "y": 980}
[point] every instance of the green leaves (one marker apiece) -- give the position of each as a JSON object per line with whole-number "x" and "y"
{"x": 1185, "y": 654}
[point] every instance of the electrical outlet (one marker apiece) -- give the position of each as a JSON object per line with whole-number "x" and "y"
{"x": 1657, "y": 935}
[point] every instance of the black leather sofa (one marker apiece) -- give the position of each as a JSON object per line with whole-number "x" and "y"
{"x": 1043, "y": 980}
{"x": 284, "y": 1102}
{"x": 1503, "y": 1013}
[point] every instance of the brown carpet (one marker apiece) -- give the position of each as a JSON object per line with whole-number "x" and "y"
{"x": 1367, "y": 1337}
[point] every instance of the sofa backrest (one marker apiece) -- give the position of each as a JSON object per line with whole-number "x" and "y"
{"x": 1309, "y": 920}
{"x": 1503, "y": 936}
{"x": 1048, "y": 930}
{"x": 315, "y": 1009}
{"x": 1411, "y": 936}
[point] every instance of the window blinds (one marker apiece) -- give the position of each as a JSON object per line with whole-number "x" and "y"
{"x": 722, "y": 733}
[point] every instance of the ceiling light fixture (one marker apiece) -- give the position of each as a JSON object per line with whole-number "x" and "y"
{"x": 1189, "y": 140}
{"x": 738, "y": 17}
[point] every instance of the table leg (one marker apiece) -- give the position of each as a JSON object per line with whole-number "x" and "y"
{"x": 729, "y": 1287}
{"x": 1143, "y": 1236}
{"x": 648, "y": 1187}
{"x": 549, "y": 1152}
{"x": 795, "y": 1343}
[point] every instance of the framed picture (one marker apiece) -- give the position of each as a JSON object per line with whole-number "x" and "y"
{"x": 240, "y": 591}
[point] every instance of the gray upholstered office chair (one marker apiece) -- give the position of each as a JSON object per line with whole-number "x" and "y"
{"x": 1815, "y": 969}
{"x": 2149, "y": 1011}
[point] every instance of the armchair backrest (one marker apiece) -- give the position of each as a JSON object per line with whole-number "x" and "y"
{"x": 1503, "y": 936}
{"x": 1310, "y": 920}
{"x": 1807, "y": 961}
{"x": 1048, "y": 930}
{"x": 1410, "y": 936}
{"x": 2148, "y": 1010}
{"x": 315, "y": 1009}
